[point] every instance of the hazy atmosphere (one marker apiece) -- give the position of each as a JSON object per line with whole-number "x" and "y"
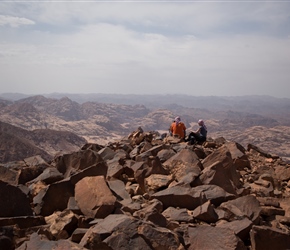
{"x": 146, "y": 47}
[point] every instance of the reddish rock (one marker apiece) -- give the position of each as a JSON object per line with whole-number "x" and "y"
{"x": 62, "y": 224}
{"x": 282, "y": 173}
{"x": 122, "y": 241}
{"x": 104, "y": 228}
{"x": 241, "y": 227}
{"x": 152, "y": 151}
{"x": 94, "y": 197}
{"x": 159, "y": 237}
{"x": 179, "y": 197}
{"x": 119, "y": 189}
{"x": 99, "y": 169}
{"x": 184, "y": 162}
{"x": 223, "y": 155}
{"x": 246, "y": 206}
{"x": 238, "y": 154}
{"x": 178, "y": 214}
{"x": 8, "y": 176}
{"x": 207, "y": 237}
{"x": 157, "y": 182}
{"x": 40, "y": 242}
{"x": 165, "y": 154}
{"x": 205, "y": 212}
{"x": 215, "y": 194}
{"x": 215, "y": 174}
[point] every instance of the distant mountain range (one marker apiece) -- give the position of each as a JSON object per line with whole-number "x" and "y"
{"x": 263, "y": 105}
{"x": 262, "y": 120}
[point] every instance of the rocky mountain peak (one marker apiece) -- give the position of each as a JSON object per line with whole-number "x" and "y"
{"x": 146, "y": 191}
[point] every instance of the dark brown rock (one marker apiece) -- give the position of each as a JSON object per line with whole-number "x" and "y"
{"x": 106, "y": 227}
{"x": 99, "y": 169}
{"x": 122, "y": 241}
{"x": 165, "y": 154}
{"x": 205, "y": 212}
{"x": 241, "y": 227}
{"x": 266, "y": 238}
{"x": 178, "y": 214}
{"x": 282, "y": 173}
{"x": 246, "y": 206}
{"x": 184, "y": 162}
{"x": 119, "y": 189}
{"x": 69, "y": 164}
{"x": 179, "y": 197}
{"x": 8, "y": 175}
{"x": 39, "y": 242}
{"x": 207, "y": 237}
{"x": 159, "y": 237}
{"x": 78, "y": 234}
{"x": 49, "y": 176}
{"x": 54, "y": 198}
{"x": 13, "y": 201}
{"x": 223, "y": 156}
{"x": 23, "y": 221}
{"x": 238, "y": 154}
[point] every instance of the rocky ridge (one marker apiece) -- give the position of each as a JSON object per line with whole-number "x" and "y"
{"x": 17, "y": 143}
{"x": 145, "y": 191}
{"x": 267, "y": 126}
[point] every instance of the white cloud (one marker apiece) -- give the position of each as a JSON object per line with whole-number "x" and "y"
{"x": 14, "y": 21}
{"x": 199, "y": 48}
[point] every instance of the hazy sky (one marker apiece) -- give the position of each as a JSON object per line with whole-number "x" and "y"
{"x": 203, "y": 48}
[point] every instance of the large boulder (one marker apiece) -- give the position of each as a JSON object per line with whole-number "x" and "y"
{"x": 263, "y": 238}
{"x": 191, "y": 198}
{"x": 69, "y": 164}
{"x": 40, "y": 242}
{"x": 54, "y": 197}
{"x": 238, "y": 154}
{"x": 245, "y": 206}
{"x": 13, "y": 201}
{"x": 216, "y": 174}
{"x": 208, "y": 237}
{"x": 94, "y": 197}
{"x": 182, "y": 163}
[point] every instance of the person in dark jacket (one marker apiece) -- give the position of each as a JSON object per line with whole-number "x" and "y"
{"x": 199, "y": 135}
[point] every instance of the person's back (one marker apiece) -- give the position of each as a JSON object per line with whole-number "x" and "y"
{"x": 178, "y": 128}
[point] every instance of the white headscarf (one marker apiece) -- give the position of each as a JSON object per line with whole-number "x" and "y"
{"x": 201, "y": 123}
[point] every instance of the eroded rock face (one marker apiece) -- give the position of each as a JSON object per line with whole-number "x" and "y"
{"x": 142, "y": 193}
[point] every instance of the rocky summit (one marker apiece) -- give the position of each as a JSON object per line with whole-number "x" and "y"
{"x": 147, "y": 191}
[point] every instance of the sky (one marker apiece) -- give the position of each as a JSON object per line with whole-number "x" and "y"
{"x": 199, "y": 48}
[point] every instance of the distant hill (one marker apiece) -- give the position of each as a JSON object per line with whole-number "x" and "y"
{"x": 100, "y": 118}
{"x": 17, "y": 143}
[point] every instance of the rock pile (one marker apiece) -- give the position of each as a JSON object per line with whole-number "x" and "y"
{"x": 144, "y": 192}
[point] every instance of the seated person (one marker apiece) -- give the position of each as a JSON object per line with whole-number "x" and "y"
{"x": 178, "y": 128}
{"x": 199, "y": 135}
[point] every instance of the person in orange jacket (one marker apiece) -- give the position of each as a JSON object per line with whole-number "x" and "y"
{"x": 178, "y": 128}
